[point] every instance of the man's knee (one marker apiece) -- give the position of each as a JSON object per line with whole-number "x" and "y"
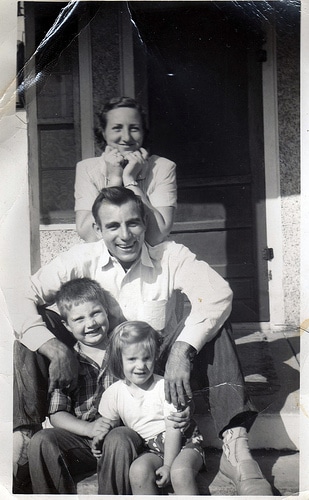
{"x": 122, "y": 439}
{"x": 42, "y": 441}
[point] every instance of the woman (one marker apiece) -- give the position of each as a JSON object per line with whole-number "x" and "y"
{"x": 126, "y": 163}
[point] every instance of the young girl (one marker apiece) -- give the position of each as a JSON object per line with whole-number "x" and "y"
{"x": 125, "y": 162}
{"x": 138, "y": 400}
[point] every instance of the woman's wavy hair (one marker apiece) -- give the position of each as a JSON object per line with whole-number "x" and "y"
{"x": 114, "y": 103}
{"x": 128, "y": 333}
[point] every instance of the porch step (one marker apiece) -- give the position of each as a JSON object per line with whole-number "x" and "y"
{"x": 279, "y": 467}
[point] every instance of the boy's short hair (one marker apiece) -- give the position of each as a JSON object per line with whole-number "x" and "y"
{"x": 77, "y": 291}
{"x": 127, "y": 333}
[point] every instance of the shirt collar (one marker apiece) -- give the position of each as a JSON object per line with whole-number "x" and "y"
{"x": 145, "y": 257}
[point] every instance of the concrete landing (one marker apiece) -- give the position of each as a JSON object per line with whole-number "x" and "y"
{"x": 279, "y": 467}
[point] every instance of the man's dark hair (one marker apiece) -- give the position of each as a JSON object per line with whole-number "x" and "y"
{"x": 116, "y": 195}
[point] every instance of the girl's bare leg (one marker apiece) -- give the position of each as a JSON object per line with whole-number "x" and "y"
{"x": 143, "y": 474}
{"x": 184, "y": 471}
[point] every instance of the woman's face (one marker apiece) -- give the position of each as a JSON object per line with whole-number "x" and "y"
{"x": 124, "y": 130}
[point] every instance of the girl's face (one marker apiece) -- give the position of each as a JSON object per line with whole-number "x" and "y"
{"x": 138, "y": 365}
{"x": 124, "y": 130}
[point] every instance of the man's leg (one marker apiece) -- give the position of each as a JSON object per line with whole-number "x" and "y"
{"x": 120, "y": 447}
{"x": 56, "y": 458}
{"x": 217, "y": 373}
{"x": 231, "y": 409}
{"x": 30, "y": 397}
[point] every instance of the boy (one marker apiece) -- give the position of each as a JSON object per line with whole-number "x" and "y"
{"x": 57, "y": 455}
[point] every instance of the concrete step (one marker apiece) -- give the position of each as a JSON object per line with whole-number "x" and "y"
{"x": 271, "y": 371}
{"x": 279, "y": 467}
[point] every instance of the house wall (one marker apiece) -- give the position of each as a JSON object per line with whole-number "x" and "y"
{"x": 288, "y": 81}
{"x": 106, "y": 83}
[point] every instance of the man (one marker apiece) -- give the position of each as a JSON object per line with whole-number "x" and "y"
{"x": 140, "y": 282}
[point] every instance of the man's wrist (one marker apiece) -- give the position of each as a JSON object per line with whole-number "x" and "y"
{"x": 184, "y": 349}
{"x": 52, "y": 347}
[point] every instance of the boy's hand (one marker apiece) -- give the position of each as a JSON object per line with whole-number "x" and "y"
{"x": 164, "y": 474}
{"x": 96, "y": 446}
{"x": 100, "y": 428}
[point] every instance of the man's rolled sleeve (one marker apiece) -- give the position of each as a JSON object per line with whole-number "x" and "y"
{"x": 210, "y": 297}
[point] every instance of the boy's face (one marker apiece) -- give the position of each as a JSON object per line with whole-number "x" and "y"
{"x": 88, "y": 322}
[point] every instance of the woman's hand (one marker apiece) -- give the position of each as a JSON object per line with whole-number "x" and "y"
{"x": 136, "y": 162}
{"x": 114, "y": 166}
{"x": 164, "y": 473}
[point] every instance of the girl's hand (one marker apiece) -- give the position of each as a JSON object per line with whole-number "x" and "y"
{"x": 136, "y": 162}
{"x": 181, "y": 418}
{"x": 164, "y": 475}
{"x": 114, "y": 169}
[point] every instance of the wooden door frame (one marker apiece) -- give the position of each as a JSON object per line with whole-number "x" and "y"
{"x": 272, "y": 179}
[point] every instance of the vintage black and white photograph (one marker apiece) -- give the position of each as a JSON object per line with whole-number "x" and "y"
{"x": 153, "y": 245}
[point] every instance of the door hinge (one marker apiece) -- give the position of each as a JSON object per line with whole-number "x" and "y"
{"x": 268, "y": 253}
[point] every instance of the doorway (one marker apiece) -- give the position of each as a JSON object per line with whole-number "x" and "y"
{"x": 204, "y": 96}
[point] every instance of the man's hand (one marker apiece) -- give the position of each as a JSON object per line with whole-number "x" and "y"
{"x": 177, "y": 374}
{"x": 64, "y": 366}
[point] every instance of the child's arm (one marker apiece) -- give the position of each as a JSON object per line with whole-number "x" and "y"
{"x": 65, "y": 420}
{"x": 172, "y": 447}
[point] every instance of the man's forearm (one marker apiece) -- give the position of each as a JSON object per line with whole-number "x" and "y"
{"x": 53, "y": 348}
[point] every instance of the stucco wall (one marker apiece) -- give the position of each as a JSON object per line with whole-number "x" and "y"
{"x": 288, "y": 57}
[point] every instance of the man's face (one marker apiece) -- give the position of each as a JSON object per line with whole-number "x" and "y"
{"x": 122, "y": 230}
